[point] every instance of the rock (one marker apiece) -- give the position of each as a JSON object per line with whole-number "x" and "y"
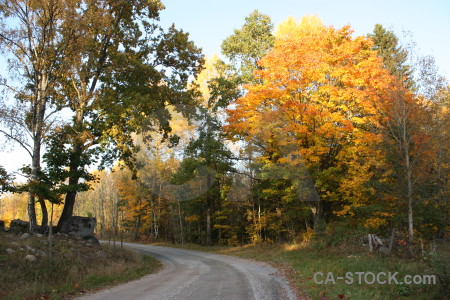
{"x": 384, "y": 250}
{"x": 15, "y": 244}
{"x": 374, "y": 242}
{"x": 39, "y": 235}
{"x": 91, "y": 240}
{"x": 80, "y": 226}
{"x": 101, "y": 254}
{"x": 41, "y": 253}
{"x": 2, "y": 225}
{"x": 18, "y": 226}
{"x": 30, "y": 249}
{"x": 24, "y": 236}
{"x": 9, "y": 251}
{"x": 31, "y": 258}
{"x": 74, "y": 236}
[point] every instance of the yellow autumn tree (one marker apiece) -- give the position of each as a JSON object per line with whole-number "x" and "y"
{"x": 316, "y": 104}
{"x": 292, "y": 27}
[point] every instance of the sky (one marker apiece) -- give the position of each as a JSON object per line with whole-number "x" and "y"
{"x": 210, "y": 22}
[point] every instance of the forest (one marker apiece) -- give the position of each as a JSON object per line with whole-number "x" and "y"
{"x": 290, "y": 133}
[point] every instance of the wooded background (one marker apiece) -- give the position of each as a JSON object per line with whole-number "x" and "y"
{"x": 292, "y": 132}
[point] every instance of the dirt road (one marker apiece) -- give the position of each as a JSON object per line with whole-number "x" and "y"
{"x": 196, "y": 275}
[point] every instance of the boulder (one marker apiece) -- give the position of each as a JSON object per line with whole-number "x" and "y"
{"x": 24, "y": 236}
{"x": 80, "y": 226}
{"x": 91, "y": 240}
{"x": 2, "y": 226}
{"x": 41, "y": 253}
{"x": 384, "y": 250}
{"x": 30, "y": 249}
{"x": 31, "y": 258}
{"x": 18, "y": 226}
{"x": 9, "y": 251}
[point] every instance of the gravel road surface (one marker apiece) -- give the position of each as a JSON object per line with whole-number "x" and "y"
{"x": 197, "y": 275}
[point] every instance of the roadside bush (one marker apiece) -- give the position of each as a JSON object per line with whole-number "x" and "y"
{"x": 339, "y": 236}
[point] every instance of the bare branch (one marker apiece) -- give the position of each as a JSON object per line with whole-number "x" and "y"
{"x": 23, "y": 144}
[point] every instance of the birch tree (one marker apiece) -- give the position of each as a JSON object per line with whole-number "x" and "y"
{"x": 36, "y": 37}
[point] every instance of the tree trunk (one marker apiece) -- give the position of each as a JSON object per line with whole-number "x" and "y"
{"x": 74, "y": 165}
{"x": 391, "y": 241}
{"x": 103, "y": 218}
{"x": 69, "y": 202}
{"x": 208, "y": 210}
{"x": 31, "y": 214}
{"x": 136, "y": 228}
{"x": 44, "y": 221}
{"x": 155, "y": 220}
{"x": 259, "y": 221}
{"x": 408, "y": 180}
{"x": 208, "y": 226}
{"x": 441, "y": 187}
{"x": 67, "y": 212}
{"x": 181, "y": 222}
{"x": 50, "y": 236}
{"x": 410, "y": 201}
{"x": 114, "y": 231}
{"x": 319, "y": 214}
{"x": 38, "y": 125}
{"x": 158, "y": 210}
{"x": 152, "y": 213}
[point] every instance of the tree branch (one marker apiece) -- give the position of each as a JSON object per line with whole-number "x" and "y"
{"x": 23, "y": 144}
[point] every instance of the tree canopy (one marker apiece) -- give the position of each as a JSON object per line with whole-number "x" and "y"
{"x": 290, "y": 134}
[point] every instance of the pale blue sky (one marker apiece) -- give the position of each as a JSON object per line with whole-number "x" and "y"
{"x": 210, "y": 22}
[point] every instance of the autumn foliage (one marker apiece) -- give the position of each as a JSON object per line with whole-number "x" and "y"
{"x": 327, "y": 131}
{"x": 302, "y": 132}
{"x": 317, "y": 101}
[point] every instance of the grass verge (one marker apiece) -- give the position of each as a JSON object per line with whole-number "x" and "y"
{"x": 76, "y": 267}
{"x": 300, "y": 263}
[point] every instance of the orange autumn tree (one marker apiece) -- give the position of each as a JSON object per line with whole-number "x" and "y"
{"x": 315, "y": 105}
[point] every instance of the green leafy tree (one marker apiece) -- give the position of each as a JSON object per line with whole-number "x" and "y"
{"x": 5, "y": 180}
{"x": 246, "y": 46}
{"x": 243, "y": 49}
{"x": 207, "y": 154}
{"x": 127, "y": 68}
{"x": 394, "y": 57}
